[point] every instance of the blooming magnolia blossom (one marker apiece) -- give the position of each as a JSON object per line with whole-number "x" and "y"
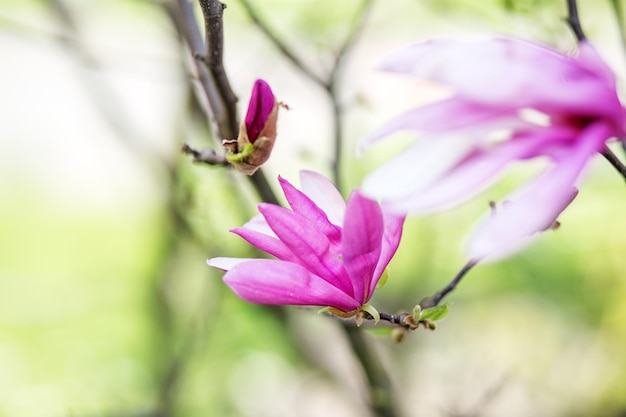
{"x": 257, "y": 132}
{"x": 512, "y": 100}
{"x": 329, "y": 253}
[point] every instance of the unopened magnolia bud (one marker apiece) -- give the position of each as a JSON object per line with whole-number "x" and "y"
{"x": 257, "y": 132}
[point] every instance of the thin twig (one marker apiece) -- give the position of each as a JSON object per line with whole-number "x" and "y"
{"x": 332, "y": 86}
{"x": 182, "y": 15}
{"x": 436, "y": 299}
{"x": 213, "y": 13}
{"x": 614, "y": 160}
{"x": 282, "y": 46}
{"x": 573, "y": 21}
{"x": 205, "y": 155}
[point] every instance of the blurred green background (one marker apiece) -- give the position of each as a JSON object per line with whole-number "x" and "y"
{"x": 107, "y": 307}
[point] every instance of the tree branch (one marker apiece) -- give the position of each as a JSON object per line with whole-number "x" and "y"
{"x": 332, "y": 86}
{"x": 280, "y": 45}
{"x": 436, "y": 299}
{"x": 614, "y": 160}
{"x": 213, "y": 13}
{"x": 573, "y": 21}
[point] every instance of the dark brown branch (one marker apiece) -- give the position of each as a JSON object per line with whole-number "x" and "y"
{"x": 573, "y": 21}
{"x": 204, "y": 155}
{"x": 213, "y": 13}
{"x": 182, "y": 15}
{"x": 614, "y": 160}
{"x": 434, "y": 300}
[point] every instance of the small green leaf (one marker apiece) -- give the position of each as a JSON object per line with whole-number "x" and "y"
{"x": 417, "y": 311}
{"x": 383, "y": 278}
{"x": 434, "y": 313}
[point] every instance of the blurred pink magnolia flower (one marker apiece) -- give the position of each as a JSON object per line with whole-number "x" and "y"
{"x": 329, "y": 253}
{"x": 512, "y": 100}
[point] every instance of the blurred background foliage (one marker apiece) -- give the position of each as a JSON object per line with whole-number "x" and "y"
{"x": 108, "y": 309}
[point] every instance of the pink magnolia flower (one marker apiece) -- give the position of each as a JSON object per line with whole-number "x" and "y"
{"x": 512, "y": 100}
{"x": 257, "y": 133}
{"x": 329, "y": 253}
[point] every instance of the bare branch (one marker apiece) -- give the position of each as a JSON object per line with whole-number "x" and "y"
{"x": 205, "y": 155}
{"x": 282, "y": 46}
{"x": 614, "y": 160}
{"x": 213, "y": 13}
{"x": 436, "y": 299}
{"x": 573, "y": 21}
{"x": 182, "y": 15}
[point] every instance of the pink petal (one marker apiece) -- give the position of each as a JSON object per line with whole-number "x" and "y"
{"x": 391, "y": 240}
{"x": 361, "y": 243}
{"x": 261, "y": 105}
{"x": 258, "y": 224}
{"x": 475, "y": 172}
{"x": 417, "y": 167}
{"x": 308, "y": 244}
{"x": 266, "y": 281}
{"x": 303, "y": 205}
{"x": 536, "y": 207}
{"x": 225, "y": 264}
{"x": 510, "y": 73}
{"x": 324, "y": 194}
{"x": 442, "y": 116}
{"x": 269, "y": 244}
{"x": 589, "y": 57}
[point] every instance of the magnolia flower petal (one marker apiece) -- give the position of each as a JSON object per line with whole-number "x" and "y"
{"x": 536, "y": 207}
{"x": 517, "y": 221}
{"x": 442, "y": 116}
{"x": 308, "y": 244}
{"x": 267, "y": 281}
{"x": 416, "y": 167}
{"x": 477, "y": 171}
{"x": 518, "y": 74}
{"x": 392, "y": 234}
{"x": 261, "y": 105}
{"x": 258, "y": 224}
{"x": 486, "y": 70}
{"x": 589, "y": 57}
{"x": 225, "y": 264}
{"x": 269, "y": 244}
{"x": 324, "y": 194}
{"x": 361, "y": 242}
{"x": 303, "y": 205}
